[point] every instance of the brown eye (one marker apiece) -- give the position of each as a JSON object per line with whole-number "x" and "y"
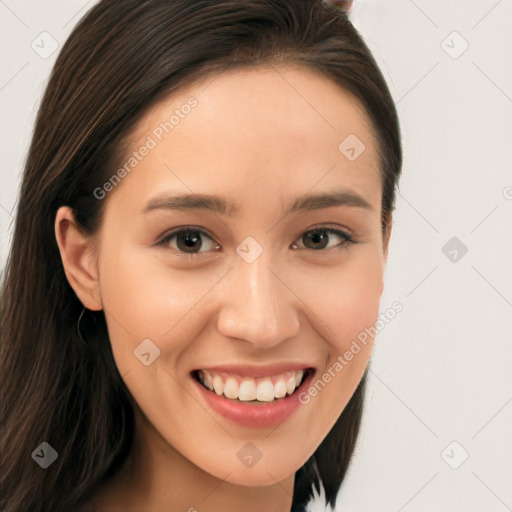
{"x": 319, "y": 238}
{"x": 189, "y": 241}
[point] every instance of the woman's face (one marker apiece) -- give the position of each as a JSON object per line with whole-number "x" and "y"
{"x": 250, "y": 292}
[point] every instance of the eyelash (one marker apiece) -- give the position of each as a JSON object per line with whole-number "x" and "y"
{"x": 347, "y": 238}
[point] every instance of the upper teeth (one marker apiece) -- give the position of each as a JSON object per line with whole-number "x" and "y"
{"x": 264, "y": 389}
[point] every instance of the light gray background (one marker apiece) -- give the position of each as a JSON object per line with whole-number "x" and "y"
{"x": 441, "y": 370}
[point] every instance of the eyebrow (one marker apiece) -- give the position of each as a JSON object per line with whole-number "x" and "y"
{"x": 217, "y": 204}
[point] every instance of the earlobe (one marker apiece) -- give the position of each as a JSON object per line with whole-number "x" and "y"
{"x": 79, "y": 260}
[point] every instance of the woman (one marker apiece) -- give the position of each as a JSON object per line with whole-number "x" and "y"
{"x": 200, "y": 242}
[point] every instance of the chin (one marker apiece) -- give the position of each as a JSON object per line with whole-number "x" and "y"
{"x": 263, "y": 476}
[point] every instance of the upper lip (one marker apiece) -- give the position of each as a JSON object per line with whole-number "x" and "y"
{"x": 245, "y": 370}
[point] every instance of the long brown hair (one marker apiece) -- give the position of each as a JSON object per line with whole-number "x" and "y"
{"x": 121, "y": 59}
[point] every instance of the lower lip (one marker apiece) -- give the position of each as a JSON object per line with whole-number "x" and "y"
{"x": 254, "y": 415}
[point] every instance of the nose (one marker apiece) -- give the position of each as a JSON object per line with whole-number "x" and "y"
{"x": 259, "y": 304}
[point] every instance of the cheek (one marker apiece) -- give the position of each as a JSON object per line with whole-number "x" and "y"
{"x": 137, "y": 302}
{"x": 145, "y": 299}
{"x": 349, "y": 305}
{"x": 358, "y": 305}
{"x": 349, "y": 300}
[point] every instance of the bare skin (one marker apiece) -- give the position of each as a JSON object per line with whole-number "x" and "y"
{"x": 260, "y": 143}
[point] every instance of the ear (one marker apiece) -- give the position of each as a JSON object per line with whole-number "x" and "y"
{"x": 79, "y": 259}
{"x": 387, "y": 235}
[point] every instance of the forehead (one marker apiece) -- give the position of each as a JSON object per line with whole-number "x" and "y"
{"x": 299, "y": 98}
{"x": 287, "y": 127}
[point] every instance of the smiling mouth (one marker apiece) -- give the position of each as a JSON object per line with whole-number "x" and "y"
{"x": 264, "y": 390}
